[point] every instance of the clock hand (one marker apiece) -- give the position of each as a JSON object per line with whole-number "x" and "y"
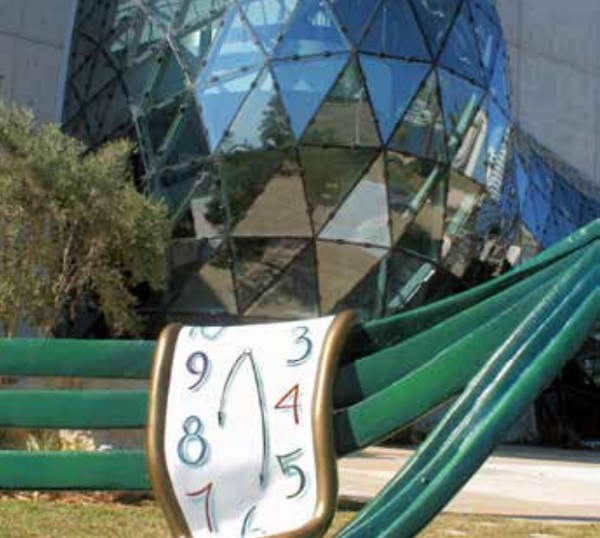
{"x": 221, "y": 416}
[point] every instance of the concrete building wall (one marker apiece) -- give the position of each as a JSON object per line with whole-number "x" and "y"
{"x": 34, "y": 35}
{"x": 555, "y": 70}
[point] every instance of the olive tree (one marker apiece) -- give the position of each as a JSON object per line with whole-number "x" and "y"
{"x": 73, "y": 228}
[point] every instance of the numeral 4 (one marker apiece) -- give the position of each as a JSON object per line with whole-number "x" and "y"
{"x": 291, "y": 396}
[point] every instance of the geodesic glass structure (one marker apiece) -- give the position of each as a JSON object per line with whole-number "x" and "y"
{"x": 318, "y": 155}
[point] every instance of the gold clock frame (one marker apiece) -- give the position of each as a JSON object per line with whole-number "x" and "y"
{"x": 322, "y": 421}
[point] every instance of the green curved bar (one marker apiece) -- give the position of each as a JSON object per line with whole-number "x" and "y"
{"x": 364, "y": 377}
{"x": 130, "y": 359}
{"x": 73, "y": 409}
{"x": 547, "y": 334}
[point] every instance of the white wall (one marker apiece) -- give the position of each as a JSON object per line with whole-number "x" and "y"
{"x": 34, "y": 35}
{"x": 555, "y": 62}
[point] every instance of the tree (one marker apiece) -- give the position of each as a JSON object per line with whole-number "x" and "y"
{"x": 73, "y": 229}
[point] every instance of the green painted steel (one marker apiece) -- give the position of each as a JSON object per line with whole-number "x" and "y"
{"x": 73, "y": 409}
{"x": 549, "y": 323}
{"x": 76, "y": 358}
{"x": 110, "y": 470}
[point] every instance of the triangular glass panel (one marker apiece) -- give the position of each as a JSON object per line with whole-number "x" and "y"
{"x": 329, "y": 175}
{"x": 199, "y": 13}
{"x": 267, "y": 18}
{"x": 406, "y": 276}
{"x": 261, "y": 123}
{"x": 170, "y": 78}
{"x": 189, "y": 141}
{"x": 353, "y": 16}
{"x": 138, "y": 77}
{"x": 497, "y": 149}
{"x": 304, "y": 84}
{"x": 471, "y": 157}
{"x": 162, "y": 11}
{"x": 394, "y": 32}
{"x": 489, "y": 37}
{"x": 312, "y": 30}
{"x": 345, "y": 118}
{"x": 461, "y": 102}
{"x": 424, "y": 234}
{"x": 392, "y": 85}
{"x": 234, "y": 51}
{"x": 410, "y": 181}
{"x": 422, "y": 130}
{"x": 159, "y": 120}
{"x": 436, "y": 17}
{"x": 193, "y": 46}
{"x": 461, "y": 51}
{"x": 521, "y": 178}
{"x": 363, "y": 217}
{"x": 259, "y": 262}
{"x": 206, "y": 204}
{"x": 557, "y": 228}
{"x": 150, "y": 33}
{"x": 208, "y": 289}
{"x": 463, "y": 195}
{"x": 244, "y": 175}
{"x": 499, "y": 87}
{"x": 220, "y": 102}
{"x": 341, "y": 267}
{"x": 566, "y": 199}
{"x": 294, "y": 295}
{"x": 366, "y": 298}
{"x": 280, "y": 209}
{"x": 590, "y": 210}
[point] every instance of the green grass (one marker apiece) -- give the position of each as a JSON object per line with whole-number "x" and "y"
{"x": 51, "y": 519}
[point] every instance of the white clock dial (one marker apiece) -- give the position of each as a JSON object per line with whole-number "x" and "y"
{"x": 238, "y": 439}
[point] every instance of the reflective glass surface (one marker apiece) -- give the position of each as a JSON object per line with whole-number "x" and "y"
{"x": 316, "y": 155}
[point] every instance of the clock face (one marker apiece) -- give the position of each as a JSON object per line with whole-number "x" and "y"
{"x": 240, "y": 438}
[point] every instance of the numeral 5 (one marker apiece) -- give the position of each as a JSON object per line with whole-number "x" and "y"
{"x": 292, "y": 470}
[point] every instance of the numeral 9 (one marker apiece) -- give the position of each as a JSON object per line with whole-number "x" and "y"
{"x": 198, "y": 364}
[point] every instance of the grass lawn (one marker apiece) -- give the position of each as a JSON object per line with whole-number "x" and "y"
{"x": 51, "y": 519}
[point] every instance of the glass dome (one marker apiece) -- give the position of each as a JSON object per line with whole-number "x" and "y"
{"x": 318, "y": 155}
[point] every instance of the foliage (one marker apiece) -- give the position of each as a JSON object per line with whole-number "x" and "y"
{"x": 73, "y": 228}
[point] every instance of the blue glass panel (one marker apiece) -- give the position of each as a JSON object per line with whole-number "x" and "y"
{"x": 345, "y": 117}
{"x": 395, "y": 32}
{"x": 557, "y": 228}
{"x": 220, "y": 102}
{"x": 590, "y": 210}
{"x": 422, "y": 131}
{"x": 193, "y": 46}
{"x": 234, "y": 50}
{"x": 567, "y": 200}
{"x": 261, "y": 122}
{"x": 521, "y": 180}
{"x": 392, "y": 85}
{"x": 489, "y": 36}
{"x": 303, "y": 85}
{"x": 312, "y": 30}
{"x": 540, "y": 205}
{"x": 460, "y": 102}
{"x": 499, "y": 85}
{"x": 353, "y": 14}
{"x": 487, "y": 7}
{"x": 461, "y": 53}
{"x": 435, "y": 17}
{"x": 267, "y": 18}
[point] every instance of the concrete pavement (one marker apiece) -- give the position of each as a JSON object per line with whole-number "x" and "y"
{"x": 515, "y": 481}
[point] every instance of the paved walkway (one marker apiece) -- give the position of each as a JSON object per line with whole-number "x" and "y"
{"x": 520, "y": 482}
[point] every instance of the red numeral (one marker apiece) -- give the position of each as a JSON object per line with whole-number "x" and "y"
{"x": 292, "y": 395}
{"x": 207, "y": 492}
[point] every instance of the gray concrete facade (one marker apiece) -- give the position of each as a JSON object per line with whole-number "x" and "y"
{"x": 34, "y": 38}
{"x": 555, "y": 73}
